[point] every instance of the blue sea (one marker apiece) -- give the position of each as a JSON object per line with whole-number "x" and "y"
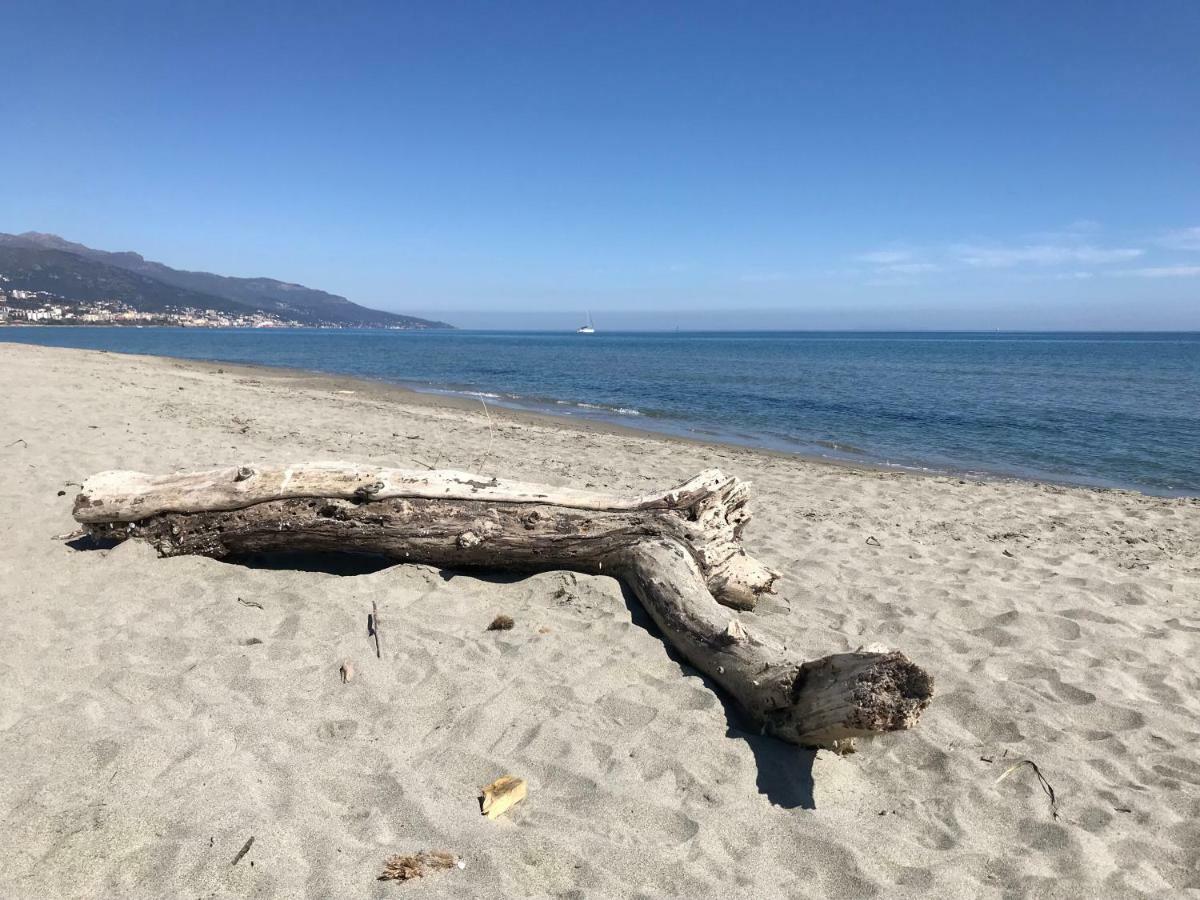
{"x": 1108, "y": 410}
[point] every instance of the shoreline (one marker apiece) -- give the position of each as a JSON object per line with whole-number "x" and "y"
{"x": 452, "y": 398}
{"x": 405, "y": 395}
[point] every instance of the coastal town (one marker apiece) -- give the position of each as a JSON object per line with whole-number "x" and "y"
{"x": 22, "y": 308}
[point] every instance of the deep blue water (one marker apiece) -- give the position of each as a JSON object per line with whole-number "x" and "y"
{"x": 1118, "y": 410}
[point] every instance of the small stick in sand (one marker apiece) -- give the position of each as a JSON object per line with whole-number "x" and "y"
{"x": 373, "y": 628}
{"x": 245, "y": 849}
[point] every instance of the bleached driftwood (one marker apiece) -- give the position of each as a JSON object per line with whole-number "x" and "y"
{"x": 707, "y": 512}
{"x": 679, "y": 550}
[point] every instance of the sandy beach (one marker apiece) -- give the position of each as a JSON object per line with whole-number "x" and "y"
{"x": 157, "y": 713}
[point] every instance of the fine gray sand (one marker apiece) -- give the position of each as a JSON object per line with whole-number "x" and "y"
{"x": 143, "y": 739}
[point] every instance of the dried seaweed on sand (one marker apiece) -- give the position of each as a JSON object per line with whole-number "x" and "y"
{"x": 417, "y": 865}
{"x": 501, "y": 623}
{"x": 1041, "y": 778}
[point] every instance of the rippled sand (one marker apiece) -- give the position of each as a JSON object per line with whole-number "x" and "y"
{"x": 144, "y": 738}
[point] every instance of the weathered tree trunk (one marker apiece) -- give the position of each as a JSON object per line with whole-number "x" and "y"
{"x": 824, "y": 703}
{"x": 680, "y": 551}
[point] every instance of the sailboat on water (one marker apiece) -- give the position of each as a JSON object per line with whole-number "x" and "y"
{"x": 588, "y": 328}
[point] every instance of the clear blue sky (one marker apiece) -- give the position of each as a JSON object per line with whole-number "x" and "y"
{"x": 796, "y": 164}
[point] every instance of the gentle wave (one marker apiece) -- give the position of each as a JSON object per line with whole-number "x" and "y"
{"x": 542, "y": 404}
{"x": 617, "y": 410}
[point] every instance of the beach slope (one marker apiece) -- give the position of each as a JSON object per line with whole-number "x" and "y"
{"x": 155, "y": 714}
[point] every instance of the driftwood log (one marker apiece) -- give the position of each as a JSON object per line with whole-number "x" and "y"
{"x": 679, "y": 551}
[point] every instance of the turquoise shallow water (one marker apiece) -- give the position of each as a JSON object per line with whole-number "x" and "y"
{"x": 1115, "y": 410}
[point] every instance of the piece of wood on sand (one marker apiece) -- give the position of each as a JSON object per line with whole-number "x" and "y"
{"x": 501, "y": 795}
{"x": 680, "y": 551}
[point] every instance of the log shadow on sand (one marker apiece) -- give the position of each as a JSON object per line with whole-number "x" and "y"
{"x": 785, "y": 774}
{"x": 90, "y": 542}
{"x": 327, "y": 562}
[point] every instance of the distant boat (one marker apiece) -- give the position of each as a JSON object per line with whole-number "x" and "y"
{"x": 588, "y": 328}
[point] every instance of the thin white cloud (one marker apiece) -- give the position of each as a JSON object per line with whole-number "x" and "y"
{"x": 997, "y": 256}
{"x": 763, "y": 277}
{"x": 1164, "y": 272}
{"x": 885, "y": 257}
{"x": 912, "y": 268}
{"x": 896, "y": 262}
{"x": 1074, "y": 251}
{"x": 1075, "y": 231}
{"x": 1181, "y": 239}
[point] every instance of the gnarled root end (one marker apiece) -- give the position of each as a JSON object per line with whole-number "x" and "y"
{"x": 718, "y": 519}
{"x": 852, "y": 695}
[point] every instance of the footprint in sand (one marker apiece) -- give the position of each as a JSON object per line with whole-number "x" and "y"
{"x": 337, "y": 730}
{"x": 626, "y": 712}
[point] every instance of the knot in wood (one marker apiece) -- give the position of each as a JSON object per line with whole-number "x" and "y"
{"x": 733, "y": 633}
{"x": 469, "y": 539}
{"x": 243, "y": 473}
{"x": 367, "y": 491}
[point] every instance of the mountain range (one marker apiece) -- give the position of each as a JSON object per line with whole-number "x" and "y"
{"x": 46, "y": 262}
